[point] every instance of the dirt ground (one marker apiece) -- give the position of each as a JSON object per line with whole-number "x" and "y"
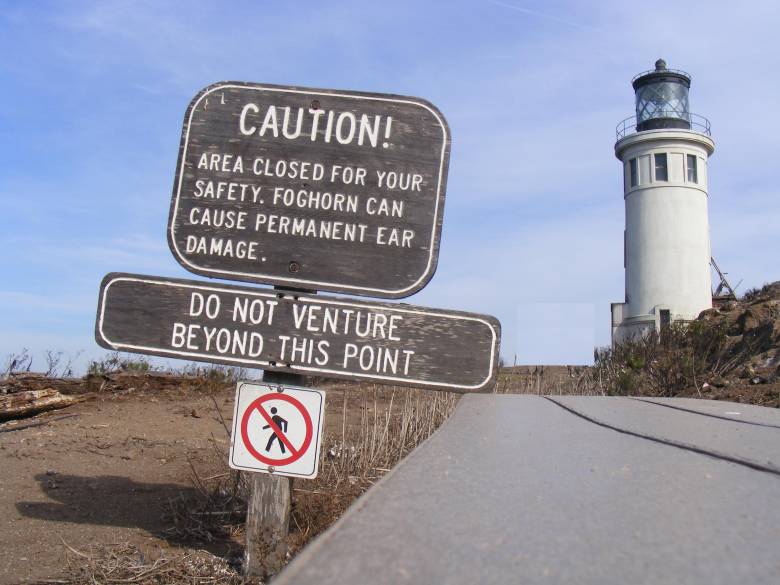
{"x": 100, "y": 471}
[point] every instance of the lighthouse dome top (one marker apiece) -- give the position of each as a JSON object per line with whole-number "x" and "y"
{"x": 661, "y": 70}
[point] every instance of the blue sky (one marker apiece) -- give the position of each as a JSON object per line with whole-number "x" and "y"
{"x": 93, "y": 95}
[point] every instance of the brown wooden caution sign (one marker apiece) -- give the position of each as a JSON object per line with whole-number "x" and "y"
{"x": 310, "y": 188}
{"x": 302, "y": 334}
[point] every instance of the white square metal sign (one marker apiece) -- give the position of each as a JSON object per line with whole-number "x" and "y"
{"x": 277, "y": 429}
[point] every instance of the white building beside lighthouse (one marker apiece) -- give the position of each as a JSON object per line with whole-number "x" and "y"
{"x": 664, "y": 150}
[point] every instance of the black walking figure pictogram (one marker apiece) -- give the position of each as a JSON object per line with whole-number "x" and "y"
{"x": 282, "y": 425}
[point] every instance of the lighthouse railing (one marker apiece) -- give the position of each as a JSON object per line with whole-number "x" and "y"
{"x": 698, "y": 123}
{"x": 660, "y": 71}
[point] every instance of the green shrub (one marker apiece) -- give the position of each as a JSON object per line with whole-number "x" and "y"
{"x": 115, "y": 363}
{"x": 625, "y": 384}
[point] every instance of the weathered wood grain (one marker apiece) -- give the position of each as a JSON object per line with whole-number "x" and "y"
{"x": 268, "y": 511}
{"x": 31, "y": 402}
{"x": 333, "y": 337}
{"x": 267, "y": 524}
{"x": 411, "y": 138}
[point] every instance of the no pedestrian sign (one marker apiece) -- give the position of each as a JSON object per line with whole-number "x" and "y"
{"x": 277, "y": 429}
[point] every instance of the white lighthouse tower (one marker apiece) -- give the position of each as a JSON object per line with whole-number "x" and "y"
{"x": 664, "y": 151}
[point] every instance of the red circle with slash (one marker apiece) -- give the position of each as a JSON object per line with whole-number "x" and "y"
{"x": 295, "y": 454}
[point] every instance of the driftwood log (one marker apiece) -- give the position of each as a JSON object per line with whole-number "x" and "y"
{"x": 29, "y": 402}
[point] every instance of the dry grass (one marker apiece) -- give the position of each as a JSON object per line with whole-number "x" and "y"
{"x": 392, "y": 422}
{"x": 126, "y": 564}
{"x": 542, "y": 380}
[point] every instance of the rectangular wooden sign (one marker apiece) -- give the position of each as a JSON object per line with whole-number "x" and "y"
{"x": 310, "y": 188}
{"x": 303, "y": 334}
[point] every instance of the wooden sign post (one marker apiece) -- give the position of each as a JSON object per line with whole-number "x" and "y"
{"x": 307, "y": 190}
{"x": 268, "y": 510}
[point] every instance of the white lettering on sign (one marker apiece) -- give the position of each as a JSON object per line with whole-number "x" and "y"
{"x": 226, "y": 190}
{"x": 401, "y": 181}
{"x": 312, "y": 228}
{"x": 222, "y": 340}
{"x": 299, "y": 346}
{"x": 306, "y": 171}
{"x": 228, "y": 163}
{"x": 340, "y": 321}
{"x": 381, "y": 360}
{"x": 255, "y": 311}
{"x": 304, "y": 199}
{"x": 384, "y": 206}
{"x": 278, "y": 197}
{"x": 309, "y": 321}
{"x": 345, "y": 127}
{"x": 225, "y": 247}
{"x": 348, "y": 175}
{"x": 394, "y": 237}
{"x": 198, "y": 303}
{"x": 229, "y": 218}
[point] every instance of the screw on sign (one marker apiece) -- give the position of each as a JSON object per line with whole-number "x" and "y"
{"x": 277, "y": 429}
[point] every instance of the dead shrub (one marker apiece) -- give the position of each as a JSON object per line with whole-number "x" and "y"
{"x": 125, "y": 563}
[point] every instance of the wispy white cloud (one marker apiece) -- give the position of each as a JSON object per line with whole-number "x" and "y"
{"x": 543, "y": 15}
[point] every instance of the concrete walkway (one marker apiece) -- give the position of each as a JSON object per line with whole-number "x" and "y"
{"x": 529, "y": 489}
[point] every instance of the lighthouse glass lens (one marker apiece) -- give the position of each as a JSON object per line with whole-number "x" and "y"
{"x": 663, "y": 99}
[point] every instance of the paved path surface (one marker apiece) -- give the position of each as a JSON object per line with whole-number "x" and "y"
{"x": 748, "y": 444}
{"x": 528, "y": 489}
{"x": 746, "y": 413}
